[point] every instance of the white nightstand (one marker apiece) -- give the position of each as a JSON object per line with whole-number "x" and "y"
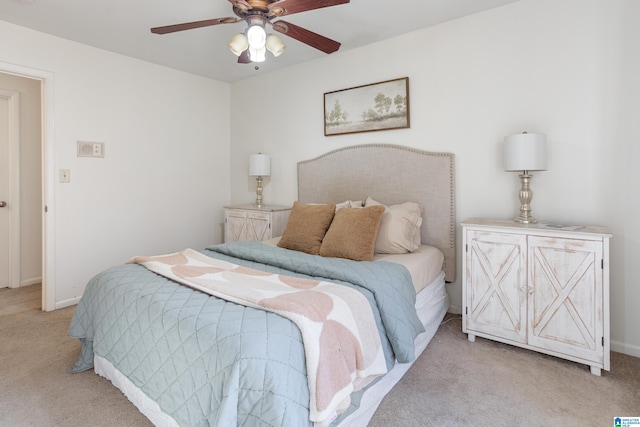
{"x": 249, "y": 222}
{"x": 540, "y": 288}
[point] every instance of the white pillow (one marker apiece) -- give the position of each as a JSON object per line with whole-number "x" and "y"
{"x": 349, "y": 204}
{"x": 399, "y": 230}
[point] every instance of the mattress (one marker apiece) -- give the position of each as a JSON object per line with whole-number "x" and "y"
{"x": 424, "y": 264}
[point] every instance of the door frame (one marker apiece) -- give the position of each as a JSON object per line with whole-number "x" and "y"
{"x": 48, "y": 177}
{"x": 13, "y": 99}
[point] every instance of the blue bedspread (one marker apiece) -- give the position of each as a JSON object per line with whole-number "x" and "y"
{"x": 209, "y": 362}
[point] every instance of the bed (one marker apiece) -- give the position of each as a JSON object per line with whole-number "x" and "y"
{"x": 186, "y": 357}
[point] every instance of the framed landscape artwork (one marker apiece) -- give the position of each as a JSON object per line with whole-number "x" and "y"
{"x": 367, "y": 108}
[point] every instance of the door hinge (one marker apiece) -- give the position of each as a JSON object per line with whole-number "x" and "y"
{"x": 46, "y": 209}
{"x": 466, "y": 247}
{"x": 602, "y": 264}
{"x": 603, "y": 341}
{"x": 466, "y": 310}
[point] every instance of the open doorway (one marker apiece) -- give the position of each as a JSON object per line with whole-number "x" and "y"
{"x": 31, "y": 244}
{"x": 21, "y": 181}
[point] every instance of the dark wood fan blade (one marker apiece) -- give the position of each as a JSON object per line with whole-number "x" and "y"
{"x": 287, "y": 7}
{"x": 305, "y": 36}
{"x": 197, "y": 24}
{"x": 244, "y": 57}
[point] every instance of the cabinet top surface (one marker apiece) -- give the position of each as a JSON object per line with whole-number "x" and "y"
{"x": 510, "y": 224}
{"x": 263, "y": 208}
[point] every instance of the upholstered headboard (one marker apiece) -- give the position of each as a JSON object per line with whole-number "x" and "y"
{"x": 390, "y": 174}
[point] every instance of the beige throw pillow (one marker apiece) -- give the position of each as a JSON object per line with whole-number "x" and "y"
{"x": 352, "y": 233}
{"x": 400, "y": 228}
{"x": 306, "y": 227}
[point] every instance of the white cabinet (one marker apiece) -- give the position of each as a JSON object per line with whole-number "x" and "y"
{"x": 249, "y": 222}
{"x": 539, "y": 288}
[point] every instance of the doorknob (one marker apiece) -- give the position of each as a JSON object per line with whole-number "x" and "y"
{"x": 3, "y": 204}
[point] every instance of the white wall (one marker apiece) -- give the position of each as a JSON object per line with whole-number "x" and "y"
{"x": 165, "y": 174}
{"x": 565, "y": 68}
{"x": 30, "y": 176}
{"x": 621, "y": 153}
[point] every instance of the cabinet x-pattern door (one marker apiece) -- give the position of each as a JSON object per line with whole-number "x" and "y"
{"x": 258, "y": 226}
{"x": 566, "y": 302}
{"x": 496, "y": 299}
{"x": 235, "y": 228}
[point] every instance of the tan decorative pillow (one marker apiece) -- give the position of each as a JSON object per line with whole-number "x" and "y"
{"x": 400, "y": 228}
{"x": 306, "y": 227}
{"x": 352, "y": 233}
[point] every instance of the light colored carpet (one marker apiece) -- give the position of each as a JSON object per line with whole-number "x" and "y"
{"x": 454, "y": 383}
{"x": 35, "y": 390}
{"x": 459, "y": 383}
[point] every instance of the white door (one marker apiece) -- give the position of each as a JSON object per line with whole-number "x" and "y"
{"x": 5, "y": 220}
{"x": 9, "y": 189}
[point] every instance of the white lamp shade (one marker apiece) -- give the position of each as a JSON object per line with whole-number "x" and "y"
{"x": 525, "y": 152}
{"x": 275, "y": 45}
{"x": 259, "y": 165}
{"x": 238, "y": 44}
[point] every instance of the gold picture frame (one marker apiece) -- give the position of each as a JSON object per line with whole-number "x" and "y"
{"x": 367, "y": 108}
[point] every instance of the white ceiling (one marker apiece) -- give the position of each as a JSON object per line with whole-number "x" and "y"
{"x": 122, "y": 26}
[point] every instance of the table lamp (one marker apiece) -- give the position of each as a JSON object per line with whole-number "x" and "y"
{"x": 525, "y": 152}
{"x": 259, "y": 166}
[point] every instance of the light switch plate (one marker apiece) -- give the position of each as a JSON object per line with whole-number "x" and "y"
{"x": 90, "y": 149}
{"x": 65, "y": 176}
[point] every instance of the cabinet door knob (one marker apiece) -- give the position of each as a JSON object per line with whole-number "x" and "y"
{"x": 3, "y": 204}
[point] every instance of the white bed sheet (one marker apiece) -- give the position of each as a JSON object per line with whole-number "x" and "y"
{"x": 424, "y": 264}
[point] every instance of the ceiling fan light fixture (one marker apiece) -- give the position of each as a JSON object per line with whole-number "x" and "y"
{"x": 275, "y": 45}
{"x": 257, "y": 36}
{"x": 238, "y": 44}
{"x": 257, "y": 54}
{"x": 252, "y": 44}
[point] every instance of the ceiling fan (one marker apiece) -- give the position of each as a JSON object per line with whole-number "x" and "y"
{"x": 251, "y": 45}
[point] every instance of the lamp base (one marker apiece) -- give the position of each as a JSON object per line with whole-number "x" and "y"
{"x": 525, "y": 195}
{"x": 522, "y": 220}
{"x": 259, "y": 192}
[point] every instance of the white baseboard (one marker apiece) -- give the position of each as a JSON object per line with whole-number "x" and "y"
{"x": 29, "y": 282}
{"x": 67, "y": 303}
{"x": 455, "y": 309}
{"x": 630, "y": 350}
